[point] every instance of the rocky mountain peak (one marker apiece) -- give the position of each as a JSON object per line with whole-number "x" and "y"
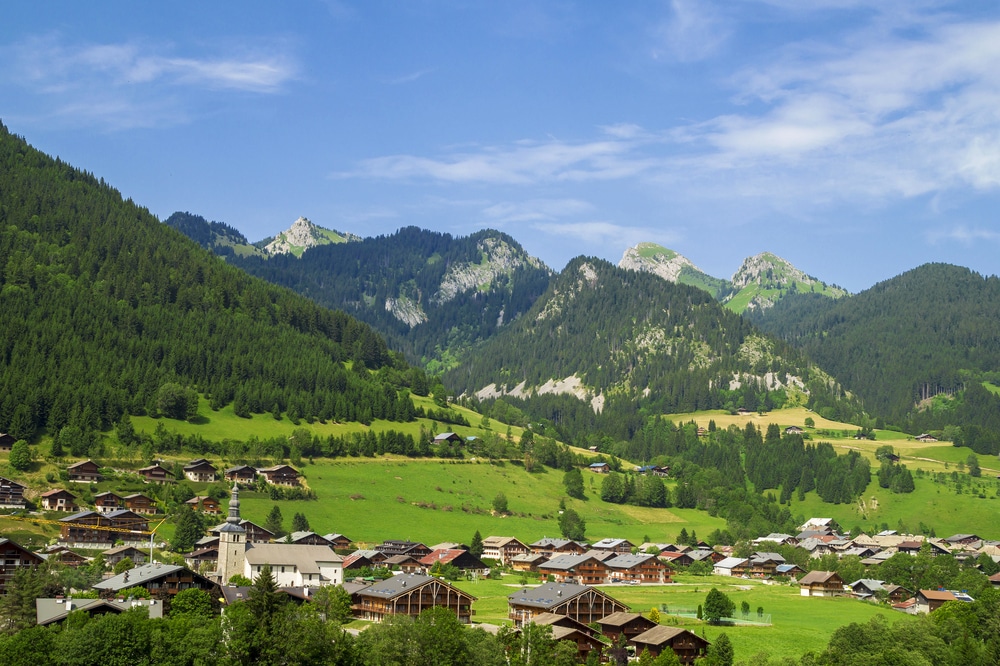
{"x": 656, "y": 259}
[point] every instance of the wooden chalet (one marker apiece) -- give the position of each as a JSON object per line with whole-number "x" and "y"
{"x": 926, "y": 438}
{"x": 625, "y": 624}
{"x": 583, "y": 569}
{"x": 11, "y": 494}
{"x": 161, "y": 580}
{"x": 763, "y": 564}
{"x": 203, "y": 556}
{"x": 928, "y": 601}
{"x": 637, "y": 569}
{"x": 86, "y": 471}
{"x": 580, "y": 602}
{"x": 676, "y": 559}
{"x": 107, "y": 502}
{"x": 503, "y": 549}
{"x": 156, "y": 473}
{"x": 619, "y": 546}
{"x": 565, "y": 628}
{"x": 794, "y": 430}
{"x": 307, "y": 538}
{"x": 205, "y": 504}
{"x": 409, "y": 594}
{"x": 58, "y": 499}
{"x": 280, "y": 475}
{"x": 599, "y": 467}
{"x": 90, "y": 529}
{"x": 63, "y": 555}
{"x": 705, "y": 555}
{"x": 113, "y": 556}
{"x": 687, "y": 645}
{"x": 529, "y": 562}
{"x": 554, "y": 547}
{"x": 456, "y": 557}
{"x": 243, "y": 475}
{"x": 200, "y": 471}
{"x": 338, "y": 540}
{"x": 414, "y": 549}
{"x": 361, "y": 559}
{"x": 13, "y": 556}
{"x": 451, "y": 437}
{"x": 139, "y": 503}
{"x": 254, "y": 532}
{"x": 54, "y": 611}
{"x": 405, "y": 563}
{"x": 821, "y": 584}
{"x": 6, "y": 441}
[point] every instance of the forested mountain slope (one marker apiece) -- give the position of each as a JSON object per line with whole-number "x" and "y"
{"x": 626, "y": 341}
{"x": 102, "y": 306}
{"x": 931, "y": 331}
{"x": 432, "y": 295}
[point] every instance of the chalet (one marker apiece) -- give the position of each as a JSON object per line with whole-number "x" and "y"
{"x": 687, "y": 645}
{"x": 307, "y": 538}
{"x": 205, "y": 504}
{"x": 447, "y": 437}
{"x": 599, "y": 467}
{"x": 295, "y": 566}
{"x": 337, "y": 540}
{"x": 360, "y": 559}
{"x": 90, "y": 529}
{"x": 963, "y": 540}
{"x": 763, "y": 564}
{"x": 554, "y": 547}
{"x": 704, "y": 555}
{"x": 928, "y": 601}
{"x": 139, "y": 503}
{"x": 243, "y": 475}
{"x": 53, "y": 611}
{"x": 676, "y": 559}
{"x": 12, "y": 557}
{"x": 743, "y": 411}
{"x": 156, "y": 473}
{"x": 396, "y": 547}
{"x": 794, "y": 430}
{"x": 254, "y": 532}
{"x": 405, "y": 563}
{"x": 776, "y": 537}
{"x": 6, "y": 441}
{"x": 456, "y": 557}
{"x": 107, "y": 502}
{"x": 620, "y": 546}
{"x": 58, "y": 499}
{"x": 583, "y": 569}
{"x": 86, "y": 471}
{"x": 160, "y": 580}
{"x": 529, "y": 562}
{"x": 727, "y": 566}
{"x": 409, "y": 594}
{"x": 788, "y": 570}
{"x": 625, "y": 624}
{"x": 503, "y": 549}
{"x": 817, "y": 524}
{"x": 113, "y": 556}
{"x": 567, "y": 629}
{"x": 203, "y": 557}
{"x": 821, "y": 584}
{"x": 200, "y": 471}
{"x": 280, "y": 475}
{"x": 11, "y": 494}
{"x": 868, "y": 589}
{"x": 580, "y": 602}
{"x": 636, "y": 569}
{"x": 926, "y": 438}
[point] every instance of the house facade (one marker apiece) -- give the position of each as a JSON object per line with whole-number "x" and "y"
{"x": 410, "y": 594}
{"x": 58, "y": 499}
{"x": 86, "y": 471}
{"x": 13, "y": 556}
{"x": 107, "y": 502}
{"x": 156, "y": 473}
{"x": 89, "y": 529}
{"x": 161, "y": 580}
{"x": 11, "y": 494}
{"x": 139, "y": 503}
{"x": 503, "y": 549}
{"x": 281, "y": 475}
{"x": 580, "y": 602}
{"x": 200, "y": 471}
{"x": 295, "y": 565}
{"x": 821, "y": 584}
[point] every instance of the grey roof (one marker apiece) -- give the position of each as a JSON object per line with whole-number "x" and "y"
{"x": 869, "y": 584}
{"x": 138, "y": 576}
{"x": 609, "y": 543}
{"x": 628, "y": 561}
{"x": 303, "y": 558}
{"x": 567, "y": 562}
{"x": 397, "y": 585}
{"x": 729, "y": 562}
{"x": 48, "y": 611}
{"x": 547, "y": 595}
{"x": 298, "y": 536}
{"x": 785, "y": 568}
{"x": 77, "y": 516}
{"x": 700, "y": 554}
{"x": 774, "y": 557}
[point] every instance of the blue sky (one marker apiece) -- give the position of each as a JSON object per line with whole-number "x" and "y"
{"x": 856, "y": 139}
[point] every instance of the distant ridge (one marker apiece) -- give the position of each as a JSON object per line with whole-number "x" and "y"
{"x": 302, "y": 235}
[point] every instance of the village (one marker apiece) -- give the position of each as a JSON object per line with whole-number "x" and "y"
{"x": 566, "y": 584}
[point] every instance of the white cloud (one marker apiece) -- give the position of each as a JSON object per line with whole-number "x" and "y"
{"x": 536, "y": 209}
{"x": 607, "y": 233}
{"x": 962, "y": 234}
{"x": 694, "y": 30}
{"x": 133, "y": 83}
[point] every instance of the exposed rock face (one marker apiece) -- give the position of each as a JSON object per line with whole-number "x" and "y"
{"x": 571, "y": 385}
{"x": 406, "y": 310}
{"x": 303, "y": 235}
{"x": 652, "y": 258}
{"x": 771, "y": 277}
{"x": 498, "y": 258}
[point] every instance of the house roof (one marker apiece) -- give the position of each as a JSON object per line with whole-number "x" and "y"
{"x": 139, "y": 576}
{"x": 549, "y": 594}
{"x": 605, "y": 544}
{"x": 48, "y": 611}
{"x": 786, "y": 568}
{"x": 530, "y": 558}
{"x": 563, "y": 622}
{"x": 121, "y": 549}
{"x": 700, "y": 554}
{"x": 730, "y": 562}
{"x": 817, "y": 577}
{"x": 660, "y": 635}
{"x": 554, "y": 543}
{"x": 501, "y": 541}
{"x": 629, "y": 561}
{"x": 304, "y": 558}
{"x": 398, "y": 585}
{"x": 278, "y": 468}
{"x": 81, "y": 464}
{"x": 598, "y": 464}
{"x": 621, "y": 618}
{"x": 241, "y": 468}
{"x": 466, "y": 560}
{"x": 57, "y": 491}
{"x": 567, "y": 562}
{"x": 937, "y": 595}
{"x": 299, "y": 536}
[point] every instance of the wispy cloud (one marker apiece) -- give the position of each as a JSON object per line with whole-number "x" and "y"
{"x": 692, "y": 31}
{"x": 962, "y": 234}
{"x": 607, "y": 233}
{"x": 411, "y": 77}
{"x": 536, "y": 209}
{"x": 133, "y": 83}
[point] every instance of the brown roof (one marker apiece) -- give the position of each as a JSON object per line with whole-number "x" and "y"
{"x": 660, "y": 634}
{"x": 937, "y": 595}
{"x": 817, "y": 577}
{"x": 618, "y": 619}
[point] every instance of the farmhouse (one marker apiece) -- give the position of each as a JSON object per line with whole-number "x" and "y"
{"x": 113, "y": 556}
{"x": 205, "y": 504}
{"x": 687, "y": 645}
{"x": 567, "y": 629}
{"x": 58, "y": 500}
{"x": 529, "y": 562}
{"x": 637, "y": 568}
{"x": 629, "y": 625}
{"x": 280, "y": 475}
{"x": 404, "y": 563}
{"x": 447, "y": 437}
{"x": 580, "y": 602}
{"x": 503, "y": 549}
{"x": 161, "y": 580}
{"x": 599, "y": 467}
{"x": 6, "y": 441}
{"x": 12, "y": 557}
{"x": 794, "y": 430}
{"x": 11, "y": 494}
{"x": 364, "y": 558}
{"x": 156, "y": 473}
{"x": 821, "y": 584}
{"x": 409, "y": 594}
{"x": 337, "y": 540}
{"x": 89, "y": 529}
{"x": 241, "y": 474}
{"x": 200, "y": 471}
{"x": 926, "y": 438}
{"x": 139, "y": 503}
{"x": 86, "y": 471}
{"x": 585, "y": 569}
{"x": 395, "y": 547}
{"x": 107, "y": 502}
{"x": 727, "y": 566}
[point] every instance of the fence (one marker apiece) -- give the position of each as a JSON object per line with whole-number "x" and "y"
{"x": 749, "y": 620}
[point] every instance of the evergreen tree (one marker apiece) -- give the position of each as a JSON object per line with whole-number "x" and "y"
{"x": 476, "y": 547}
{"x": 300, "y": 523}
{"x": 188, "y": 530}
{"x": 573, "y": 480}
{"x": 572, "y": 525}
{"x": 274, "y": 523}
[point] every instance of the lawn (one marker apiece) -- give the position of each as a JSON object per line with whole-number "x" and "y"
{"x": 798, "y": 624}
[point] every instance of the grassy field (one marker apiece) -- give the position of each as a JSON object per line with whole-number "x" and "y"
{"x": 798, "y": 624}
{"x": 435, "y": 500}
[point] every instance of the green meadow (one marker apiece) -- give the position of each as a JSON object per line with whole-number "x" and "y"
{"x": 798, "y": 624}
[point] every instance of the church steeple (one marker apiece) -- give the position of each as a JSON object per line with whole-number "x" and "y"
{"x": 234, "y": 506}
{"x": 232, "y": 541}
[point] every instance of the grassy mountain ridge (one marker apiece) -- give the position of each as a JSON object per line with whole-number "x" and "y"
{"x": 103, "y": 306}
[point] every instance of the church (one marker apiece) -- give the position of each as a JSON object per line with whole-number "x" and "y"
{"x": 292, "y": 565}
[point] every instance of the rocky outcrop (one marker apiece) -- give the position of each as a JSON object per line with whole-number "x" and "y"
{"x": 303, "y": 235}
{"x": 497, "y": 258}
{"x": 655, "y": 259}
